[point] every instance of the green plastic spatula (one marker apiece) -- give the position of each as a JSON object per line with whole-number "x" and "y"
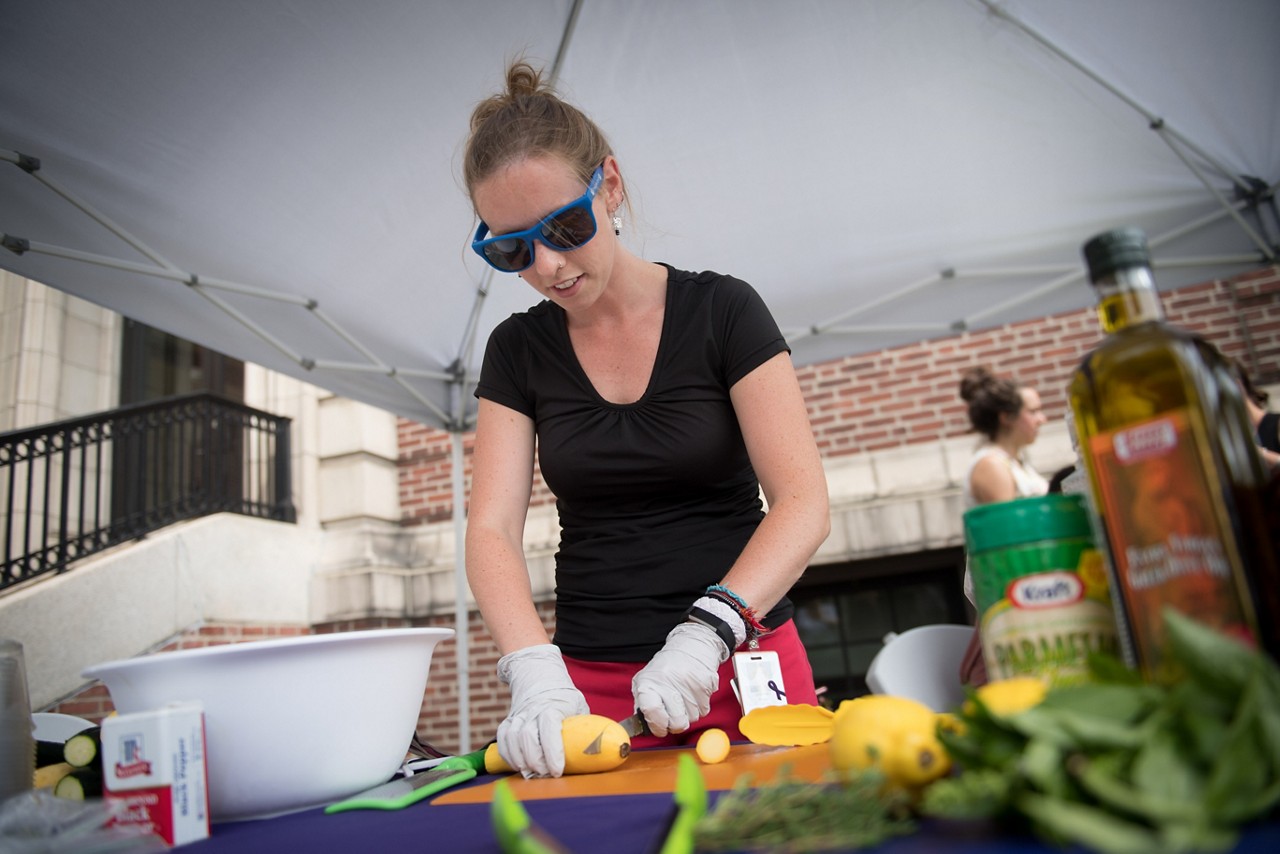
{"x": 401, "y": 792}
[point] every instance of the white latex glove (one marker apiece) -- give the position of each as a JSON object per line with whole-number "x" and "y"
{"x": 674, "y": 689}
{"x": 542, "y": 695}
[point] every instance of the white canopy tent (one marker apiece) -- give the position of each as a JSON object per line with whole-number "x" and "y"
{"x": 278, "y": 180}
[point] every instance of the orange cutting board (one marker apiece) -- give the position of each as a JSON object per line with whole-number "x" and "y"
{"x": 654, "y": 771}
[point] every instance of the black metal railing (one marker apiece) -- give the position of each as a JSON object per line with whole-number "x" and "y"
{"x": 75, "y": 487}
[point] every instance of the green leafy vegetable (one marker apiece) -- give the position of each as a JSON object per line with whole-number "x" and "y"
{"x": 1122, "y": 766}
{"x": 1088, "y": 825}
{"x": 790, "y": 816}
{"x": 979, "y": 793}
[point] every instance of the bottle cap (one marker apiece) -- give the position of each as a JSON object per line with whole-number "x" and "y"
{"x": 1114, "y": 250}
{"x": 1022, "y": 521}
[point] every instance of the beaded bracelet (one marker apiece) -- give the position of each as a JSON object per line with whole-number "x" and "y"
{"x": 755, "y": 629}
{"x": 725, "y": 591}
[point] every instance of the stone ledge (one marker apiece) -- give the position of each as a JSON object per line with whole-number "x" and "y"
{"x": 893, "y": 525}
{"x": 378, "y": 590}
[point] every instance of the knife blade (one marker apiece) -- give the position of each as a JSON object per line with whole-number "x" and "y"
{"x": 635, "y": 725}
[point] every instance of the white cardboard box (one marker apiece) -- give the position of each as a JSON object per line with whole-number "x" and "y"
{"x": 153, "y": 769}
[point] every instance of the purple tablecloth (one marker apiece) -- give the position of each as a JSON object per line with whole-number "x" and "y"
{"x": 628, "y": 824}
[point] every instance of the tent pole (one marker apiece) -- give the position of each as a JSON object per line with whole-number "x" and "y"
{"x": 1154, "y": 121}
{"x": 460, "y": 587}
{"x": 566, "y": 38}
{"x": 1171, "y": 136}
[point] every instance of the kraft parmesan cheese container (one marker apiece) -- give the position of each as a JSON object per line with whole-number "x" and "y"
{"x": 1041, "y": 588}
{"x": 153, "y": 770}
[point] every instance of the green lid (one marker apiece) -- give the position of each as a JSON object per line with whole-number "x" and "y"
{"x": 1114, "y": 250}
{"x": 1026, "y": 520}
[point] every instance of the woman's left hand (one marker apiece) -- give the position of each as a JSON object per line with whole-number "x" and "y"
{"x": 674, "y": 689}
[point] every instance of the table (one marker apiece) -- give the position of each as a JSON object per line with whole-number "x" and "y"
{"x": 623, "y": 824}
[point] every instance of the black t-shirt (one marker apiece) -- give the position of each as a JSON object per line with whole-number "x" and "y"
{"x": 656, "y": 498}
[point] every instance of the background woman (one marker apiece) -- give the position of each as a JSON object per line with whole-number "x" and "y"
{"x": 1008, "y": 416}
{"x": 1266, "y": 424}
{"x": 661, "y": 403}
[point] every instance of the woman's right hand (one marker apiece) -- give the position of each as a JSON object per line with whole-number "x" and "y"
{"x": 542, "y": 696}
{"x": 674, "y": 689}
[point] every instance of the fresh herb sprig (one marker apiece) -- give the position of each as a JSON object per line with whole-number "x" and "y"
{"x": 1122, "y": 766}
{"x": 792, "y": 816}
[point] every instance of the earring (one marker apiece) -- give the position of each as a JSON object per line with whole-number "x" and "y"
{"x": 617, "y": 224}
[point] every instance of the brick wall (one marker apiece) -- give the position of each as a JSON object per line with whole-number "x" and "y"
{"x": 911, "y": 394}
{"x": 425, "y": 473}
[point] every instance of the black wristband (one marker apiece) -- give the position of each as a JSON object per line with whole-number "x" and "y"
{"x": 711, "y": 621}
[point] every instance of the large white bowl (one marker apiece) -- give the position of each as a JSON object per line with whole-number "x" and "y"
{"x": 290, "y": 723}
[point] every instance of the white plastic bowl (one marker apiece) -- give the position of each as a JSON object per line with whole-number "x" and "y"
{"x": 290, "y": 723}
{"x": 922, "y": 664}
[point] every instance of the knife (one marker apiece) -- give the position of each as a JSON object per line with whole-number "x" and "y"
{"x": 635, "y": 725}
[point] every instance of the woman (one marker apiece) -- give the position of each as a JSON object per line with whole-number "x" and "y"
{"x": 1266, "y": 424}
{"x": 661, "y": 404}
{"x": 1008, "y": 416}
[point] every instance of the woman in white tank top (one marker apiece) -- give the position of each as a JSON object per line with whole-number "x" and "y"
{"x": 1000, "y": 473}
{"x": 1008, "y": 416}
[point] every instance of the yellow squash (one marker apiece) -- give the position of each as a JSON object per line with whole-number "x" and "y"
{"x": 895, "y": 735}
{"x": 713, "y": 746}
{"x": 47, "y": 776}
{"x": 592, "y": 743}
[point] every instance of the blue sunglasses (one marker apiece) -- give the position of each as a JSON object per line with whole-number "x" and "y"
{"x": 566, "y": 228}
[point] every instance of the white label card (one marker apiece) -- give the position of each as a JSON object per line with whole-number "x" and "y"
{"x": 758, "y": 680}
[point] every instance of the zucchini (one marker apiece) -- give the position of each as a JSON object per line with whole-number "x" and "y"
{"x": 84, "y": 749}
{"x": 48, "y": 752}
{"x": 47, "y": 776}
{"x": 80, "y": 784}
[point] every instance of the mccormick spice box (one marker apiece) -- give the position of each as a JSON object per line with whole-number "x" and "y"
{"x": 153, "y": 771}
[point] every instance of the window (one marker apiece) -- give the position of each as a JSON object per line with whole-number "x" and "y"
{"x": 157, "y": 462}
{"x": 156, "y": 365}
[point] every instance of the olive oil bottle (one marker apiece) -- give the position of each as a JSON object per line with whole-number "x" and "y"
{"x": 1178, "y": 485}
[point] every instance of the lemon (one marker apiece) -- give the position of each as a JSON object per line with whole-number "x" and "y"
{"x": 917, "y": 758}
{"x": 895, "y": 735}
{"x": 1010, "y": 696}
